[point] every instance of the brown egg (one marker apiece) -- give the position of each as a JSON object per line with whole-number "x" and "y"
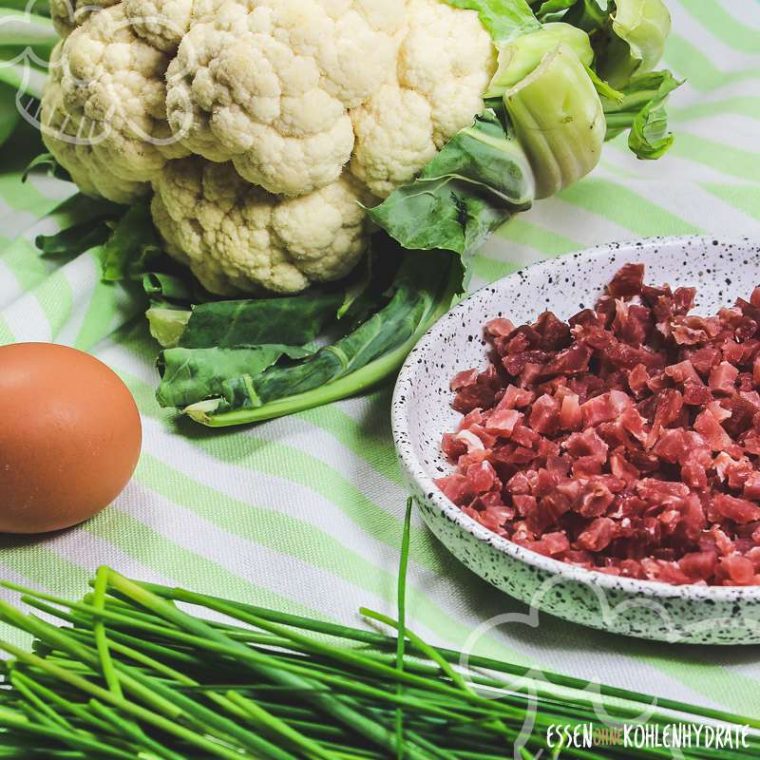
{"x": 70, "y": 437}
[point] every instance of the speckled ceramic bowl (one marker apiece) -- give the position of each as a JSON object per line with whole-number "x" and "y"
{"x": 721, "y": 271}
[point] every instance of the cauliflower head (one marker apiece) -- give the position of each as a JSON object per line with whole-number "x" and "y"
{"x": 236, "y": 237}
{"x": 262, "y": 128}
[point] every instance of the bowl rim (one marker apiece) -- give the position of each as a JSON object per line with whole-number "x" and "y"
{"x": 415, "y": 471}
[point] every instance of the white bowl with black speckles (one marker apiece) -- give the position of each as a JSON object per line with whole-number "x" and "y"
{"x": 721, "y": 271}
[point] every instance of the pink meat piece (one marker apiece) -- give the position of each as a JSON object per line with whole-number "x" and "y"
{"x": 627, "y": 282}
{"x": 587, "y": 444}
{"x": 723, "y": 379}
{"x": 683, "y": 372}
{"x": 708, "y": 425}
{"x": 554, "y": 333}
{"x": 516, "y": 398}
{"x": 544, "y": 416}
{"x": 597, "y": 536}
{"x": 464, "y": 379}
{"x": 550, "y": 544}
{"x": 457, "y": 488}
{"x": 622, "y": 469}
{"x": 570, "y": 361}
{"x": 705, "y": 359}
{"x": 482, "y": 477}
{"x": 502, "y": 422}
{"x": 732, "y": 351}
{"x": 696, "y": 393}
{"x": 608, "y": 406}
{"x": 733, "y": 508}
{"x": 751, "y": 489}
{"x": 638, "y": 378}
{"x": 596, "y": 498}
{"x": 694, "y": 475}
{"x": 570, "y": 415}
{"x": 739, "y": 571}
{"x": 700, "y": 566}
{"x": 499, "y": 328}
{"x": 586, "y": 467}
{"x": 690, "y": 331}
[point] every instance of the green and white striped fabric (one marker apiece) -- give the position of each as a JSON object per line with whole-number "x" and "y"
{"x": 305, "y": 513}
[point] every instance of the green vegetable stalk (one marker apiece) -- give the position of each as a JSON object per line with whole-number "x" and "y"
{"x": 639, "y": 29}
{"x": 27, "y": 39}
{"x": 559, "y": 120}
{"x": 355, "y": 363}
{"x": 139, "y": 670}
{"x": 523, "y": 55}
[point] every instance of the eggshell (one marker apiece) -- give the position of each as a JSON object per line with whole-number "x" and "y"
{"x": 70, "y": 437}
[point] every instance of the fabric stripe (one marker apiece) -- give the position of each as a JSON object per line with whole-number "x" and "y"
{"x": 629, "y": 209}
{"x": 745, "y": 197}
{"x": 689, "y": 61}
{"x": 744, "y": 106}
{"x": 733, "y": 32}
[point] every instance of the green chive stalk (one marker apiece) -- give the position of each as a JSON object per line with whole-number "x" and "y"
{"x": 134, "y": 670}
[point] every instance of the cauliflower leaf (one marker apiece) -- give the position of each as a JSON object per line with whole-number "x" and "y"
{"x": 472, "y": 186}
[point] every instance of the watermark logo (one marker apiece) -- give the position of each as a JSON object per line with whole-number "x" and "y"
{"x": 653, "y": 727}
{"x": 66, "y": 118}
{"x": 675, "y": 737}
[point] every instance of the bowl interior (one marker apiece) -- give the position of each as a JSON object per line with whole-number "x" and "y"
{"x": 721, "y": 272}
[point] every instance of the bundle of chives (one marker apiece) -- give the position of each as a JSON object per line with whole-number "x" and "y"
{"x": 131, "y": 672}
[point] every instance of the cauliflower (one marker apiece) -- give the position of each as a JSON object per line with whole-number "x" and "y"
{"x": 104, "y": 108}
{"x": 262, "y": 128}
{"x": 236, "y": 237}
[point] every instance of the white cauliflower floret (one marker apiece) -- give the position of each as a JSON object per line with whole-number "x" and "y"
{"x": 103, "y": 111}
{"x": 394, "y": 139}
{"x": 291, "y": 114}
{"x": 237, "y": 238}
{"x": 67, "y": 15}
{"x": 268, "y": 85}
{"x": 164, "y": 23}
{"x": 446, "y": 60}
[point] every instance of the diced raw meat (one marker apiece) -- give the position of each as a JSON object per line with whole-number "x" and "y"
{"x": 544, "y": 416}
{"x": 723, "y": 379}
{"x": 503, "y": 422}
{"x": 734, "y": 509}
{"x": 597, "y": 536}
{"x": 626, "y": 440}
{"x": 628, "y": 282}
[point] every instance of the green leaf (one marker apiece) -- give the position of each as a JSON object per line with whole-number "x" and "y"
{"x": 167, "y": 325}
{"x": 425, "y": 287}
{"x": 46, "y": 165}
{"x": 9, "y": 115}
{"x": 603, "y": 89}
{"x": 554, "y": 6}
{"x": 192, "y": 375}
{"x": 127, "y": 254}
{"x": 633, "y": 41}
{"x": 479, "y": 179}
{"x": 75, "y": 240}
{"x": 504, "y": 19}
{"x": 642, "y": 110}
{"x": 160, "y": 286}
{"x": 233, "y": 324}
{"x": 589, "y": 15}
